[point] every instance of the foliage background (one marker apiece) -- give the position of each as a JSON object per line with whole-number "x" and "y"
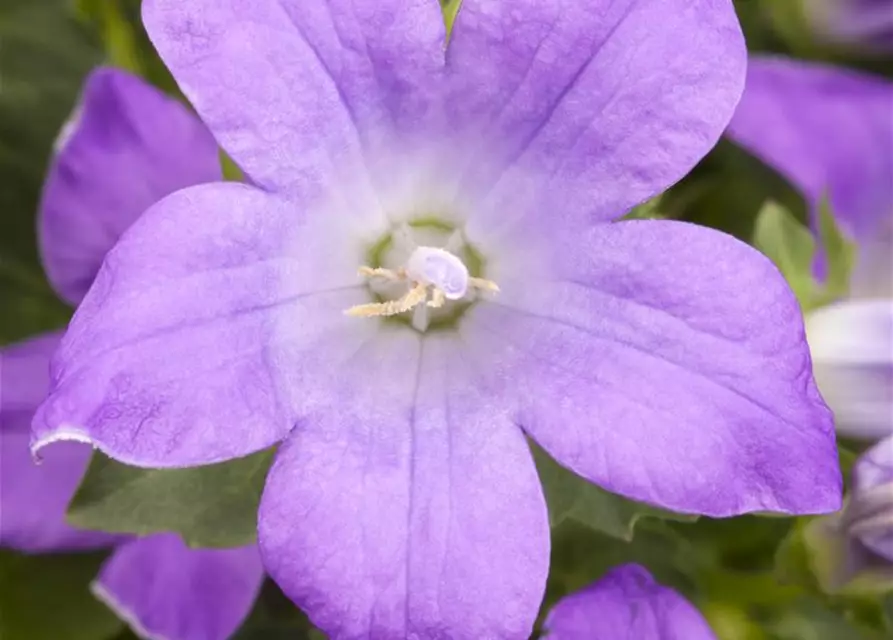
{"x": 750, "y": 575}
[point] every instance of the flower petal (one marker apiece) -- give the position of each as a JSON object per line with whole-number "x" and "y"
{"x": 852, "y": 352}
{"x": 167, "y": 591}
{"x": 33, "y": 498}
{"x": 666, "y": 362}
{"x": 594, "y": 106}
{"x": 170, "y": 359}
{"x": 626, "y": 603}
{"x": 826, "y": 130}
{"x": 126, "y": 147}
{"x": 295, "y": 90}
{"x": 410, "y": 508}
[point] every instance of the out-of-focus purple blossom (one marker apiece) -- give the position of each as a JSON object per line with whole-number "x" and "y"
{"x": 869, "y": 514}
{"x": 626, "y": 604}
{"x": 830, "y": 132}
{"x": 664, "y": 361}
{"x": 126, "y": 147}
{"x": 864, "y": 24}
{"x": 853, "y": 550}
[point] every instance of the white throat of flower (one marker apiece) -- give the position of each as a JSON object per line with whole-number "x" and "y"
{"x": 433, "y": 276}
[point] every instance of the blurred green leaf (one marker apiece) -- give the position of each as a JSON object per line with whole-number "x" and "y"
{"x": 47, "y": 597}
{"x": 125, "y": 40}
{"x": 580, "y": 556}
{"x": 790, "y": 246}
{"x": 727, "y": 191}
{"x": 571, "y": 497}
{"x": 44, "y": 55}
{"x": 648, "y": 210}
{"x": 840, "y": 254}
{"x": 275, "y": 617}
{"x": 808, "y": 619}
{"x": 210, "y": 506}
{"x": 792, "y": 563}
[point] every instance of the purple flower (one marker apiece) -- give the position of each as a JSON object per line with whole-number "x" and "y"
{"x": 127, "y": 146}
{"x": 869, "y": 514}
{"x": 853, "y": 550}
{"x": 626, "y": 603}
{"x": 867, "y": 23}
{"x": 829, "y": 132}
{"x": 664, "y": 361}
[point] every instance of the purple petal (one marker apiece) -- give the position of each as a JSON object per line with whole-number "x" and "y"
{"x": 852, "y": 351}
{"x": 411, "y": 508}
{"x": 875, "y": 467}
{"x": 167, "y": 591}
{"x": 33, "y": 498}
{"x": 826, "y": 130}
{"x": 665, "y": 362}
{"x": 216, "y": 306}
{"x": 594, "y": 106}
{"x": 627, "y": 604}
{"x": 127, "y": 146}
{"x": 297, "y": 91}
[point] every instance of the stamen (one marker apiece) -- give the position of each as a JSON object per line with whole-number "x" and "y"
{"x": 413, "y": 297}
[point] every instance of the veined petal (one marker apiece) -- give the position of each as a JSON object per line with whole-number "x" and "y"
{"x": 172, "y": 358}
{"x": 589, "y": 108}
{"x": 167, "y": 591}
{"x": 626, "y": 604}
{"x": 668, "y": 363}
{"x": 126, "y": 147}
{"x": 826, "y": 130}
{"x": 852, "y": 351}
{"x": 411, "y": 507}
{"x": 296, "y": 91}
{"x": 33, "y": 498}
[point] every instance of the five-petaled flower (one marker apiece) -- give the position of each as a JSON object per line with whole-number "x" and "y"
{"x": 664, "y": 361}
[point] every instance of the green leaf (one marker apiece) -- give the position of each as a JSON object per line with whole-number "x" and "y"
{"x": 648, "y": 210}
{"x": 840, "y": 254}
{"x": 210, "y": 506}
{"x": 47, "y": 597}
{"x": 790, "y": 245}
{"x": 571, "y": 497}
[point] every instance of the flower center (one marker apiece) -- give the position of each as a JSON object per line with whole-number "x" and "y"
{"x": 417, "y": 276}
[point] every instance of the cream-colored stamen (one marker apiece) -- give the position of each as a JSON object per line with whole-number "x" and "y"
{"x": 437, "y": 299}
{"x": 413, "y": 298}
{"x": 483, "y": 285}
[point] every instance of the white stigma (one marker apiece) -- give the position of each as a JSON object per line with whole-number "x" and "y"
{"x": 438, "y": 268}
{"x": 428, "y": 270}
